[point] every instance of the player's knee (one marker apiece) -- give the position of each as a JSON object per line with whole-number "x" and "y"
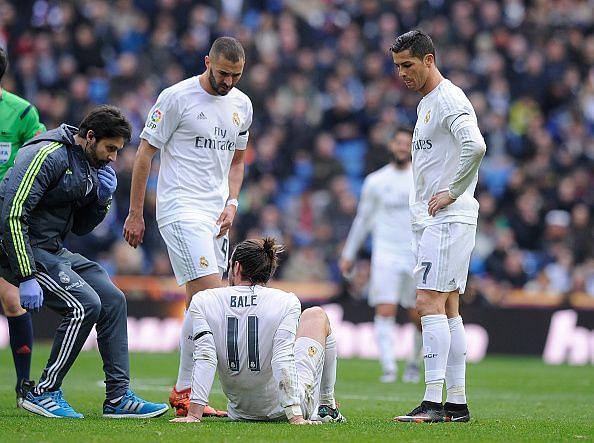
{"x": 115, "y": 304}
{"x": 11, "y": 304}
{"x": 92, "y": 309}
{"x": 316, "y": 315}
{"x": 385, "y": 310}
{"x": 425, "y": 308}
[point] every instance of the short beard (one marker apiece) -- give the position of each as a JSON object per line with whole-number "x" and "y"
{"x": 399, "y": 162}
{"x": 91, "y": 151}
{"x": 213, "y": 84}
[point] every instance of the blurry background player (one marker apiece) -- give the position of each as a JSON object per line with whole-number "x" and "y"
{"x": 200, "y": 126}
{"x": 447, "y": 151}
{"x": 19, "y": 122}
{"x": 384, "y": 211}
{"x": 273, "y": 361}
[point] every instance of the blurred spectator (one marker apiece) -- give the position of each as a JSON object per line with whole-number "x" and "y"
{"x": 305, "y": 265}
{"x": 325, "y": 102}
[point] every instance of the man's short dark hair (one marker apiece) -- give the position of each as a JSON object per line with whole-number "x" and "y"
{"x": 3, "y": 62}
{"x": 228, "y": 47}
{"x": 258, "y": 259}
{"x": 106, "y": 122}
{"x": 404, "y": 128}
{"x": 419, "y": 44}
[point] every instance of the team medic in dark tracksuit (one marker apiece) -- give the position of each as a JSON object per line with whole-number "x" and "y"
{"x": 53, "y": 190}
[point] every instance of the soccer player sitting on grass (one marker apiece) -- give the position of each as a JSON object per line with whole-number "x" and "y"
{"x": 272, "y": 364}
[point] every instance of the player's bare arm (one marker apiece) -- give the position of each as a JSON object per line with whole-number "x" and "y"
{"x": 346, "y": 266}
{"x": 134, "y": 224}
{"x": 299, "y": 420}
{"x": 225, "y": 220}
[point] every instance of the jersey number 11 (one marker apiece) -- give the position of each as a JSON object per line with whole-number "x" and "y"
{"x": 253, "y": 353}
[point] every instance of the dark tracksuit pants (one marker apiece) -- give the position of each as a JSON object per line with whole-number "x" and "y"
{"x": 83, "y": 294}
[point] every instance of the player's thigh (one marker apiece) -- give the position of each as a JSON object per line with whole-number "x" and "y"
{"x": 112, "y": 298}
{"x": 383, "y": 283}
{"x": 309, "y": 362}
{"x": 222, "y": 252}
{"x": 443, "y": 256}
{"x": 191, "y": 246}
{"x": 406, "y": 289}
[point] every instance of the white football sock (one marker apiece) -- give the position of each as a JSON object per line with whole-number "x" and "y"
{"x": 186, "y": 351}
{"x": 384, "y": 329}
{"x": 456, "y": 365}
{"x": 436, "y": 345}
{"x": 329, "y": 373}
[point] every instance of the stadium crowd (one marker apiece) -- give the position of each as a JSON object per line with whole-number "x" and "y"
{"x": 326, "y": 101}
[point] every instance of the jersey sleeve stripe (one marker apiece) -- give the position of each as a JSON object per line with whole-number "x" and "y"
{"x": 17, "y": 207}
{"x": 452, "y": 124}
{"x": 25, "y": 112}
{"x": 201, "y": 334}
{"x": 243, "y": 133}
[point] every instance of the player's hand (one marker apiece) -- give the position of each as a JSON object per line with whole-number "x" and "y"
{"x": 299, "y": 420}
{"x": 439, "y": 201}
{"x": 346, "y": 268}
{"x": 225, "y": 220}
{"x": 187, "y": 419}
{"x": 108, "y": 182}
{"x": 31, "y": 295}
{"x": 134, "y": 229}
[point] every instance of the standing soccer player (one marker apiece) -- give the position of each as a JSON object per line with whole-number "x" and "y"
{"x": 273, "y": 361}
{"x": 447, "y": 151}
{"x": 384, "y": 211}
{"x": 19, "y": 122}
{"x": 200, "y": 125}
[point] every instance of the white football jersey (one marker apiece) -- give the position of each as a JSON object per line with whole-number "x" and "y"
{"x": 384, "y": 211}
{"x": 436, "y": 156}
{"x": 197, "y": 134}
{"x": 244, "y": 321}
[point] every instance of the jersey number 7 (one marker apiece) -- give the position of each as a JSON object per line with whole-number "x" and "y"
{"x": 253, "y": 352}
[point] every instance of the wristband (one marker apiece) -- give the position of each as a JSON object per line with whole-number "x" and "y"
{"x": 292, "y": 411}
{"x": 233, "y": 201}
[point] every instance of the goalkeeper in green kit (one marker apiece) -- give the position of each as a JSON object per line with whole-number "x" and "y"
{"x": 19, "y": 122}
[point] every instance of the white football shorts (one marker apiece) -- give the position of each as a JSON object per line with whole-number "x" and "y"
{"x": 194, "y": 249}
{"x": 442, "y": 256}
{"x": 309, "y": 362}
{"x": 391, "y": 284}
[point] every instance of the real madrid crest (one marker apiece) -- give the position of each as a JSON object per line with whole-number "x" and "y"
{"x": 203, "y": 262}
{"x": 63, "y": 277}
{"x": 311, "y": 351}
{"x": 428, "y": 116}
{"x": 236, "y": 119}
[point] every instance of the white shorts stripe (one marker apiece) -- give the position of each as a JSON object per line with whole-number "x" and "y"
{"x": 189, "y": 269}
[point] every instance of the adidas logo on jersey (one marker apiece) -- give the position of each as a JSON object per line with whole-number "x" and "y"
{"x": 201, "y": 116}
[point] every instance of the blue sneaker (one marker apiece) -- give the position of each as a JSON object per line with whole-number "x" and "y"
{"x": 49, "y": 404}
{"x": 132, "y": 406}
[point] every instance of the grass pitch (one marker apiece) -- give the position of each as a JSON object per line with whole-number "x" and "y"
{"x": 511, "y": 399}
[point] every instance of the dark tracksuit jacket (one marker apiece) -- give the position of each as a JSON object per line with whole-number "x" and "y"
{"x": 50, "y": 191}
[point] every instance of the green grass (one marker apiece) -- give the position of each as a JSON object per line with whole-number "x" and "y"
{"x": 511, "y": 399}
